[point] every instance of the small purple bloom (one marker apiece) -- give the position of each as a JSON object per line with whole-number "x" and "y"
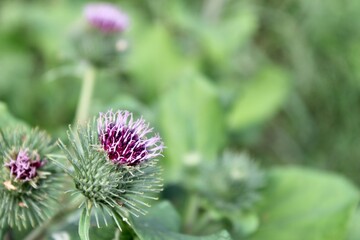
{"x": 106, "y": 17}
{"x": 125, "y": 139}
{"x": 24, "y": 166}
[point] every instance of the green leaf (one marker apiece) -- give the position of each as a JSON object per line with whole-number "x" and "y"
{"x": 84, "y": 223}
{"x": 6, "y": 118}
{"x": 222, "y": 43}
{"x": 260, "y": 99}
{"x": 49, "y": 24}
{"x": 192, "y": 124}
{"x": 155, "y": 61}
{"x": 354, "y": 230}
{"x": 162, "y": 223}
{"x": 306, "y": 204}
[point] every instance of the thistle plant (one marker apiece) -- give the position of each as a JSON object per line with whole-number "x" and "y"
{"x": 114, "y": 161}
{"x": 29, "y": 182}
{"x": 232, "y": 184}
{"x": 96, "y": 40}
{"x": 106, "y": 17}
{"x": 98, "y": 44}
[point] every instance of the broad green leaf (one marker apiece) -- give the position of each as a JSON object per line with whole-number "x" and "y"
{"x": 306, "y": 204}
{"x": 50, "y": 25}
{"x": 191, "y": 121}
{"x": 154, "y": 61}
{"x": 162, "y": 223}
{"x": 84, "y": 224}
{"x": 221, "y": 43}
{"x": 260, "y": 99}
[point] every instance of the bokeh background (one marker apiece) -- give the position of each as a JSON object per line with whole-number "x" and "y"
{"x": 278, "y": 79}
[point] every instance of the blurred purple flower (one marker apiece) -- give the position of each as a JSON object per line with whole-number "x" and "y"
{"x": 106, "y": 17}
{"x": 125, "y": 139}
{"x": 23, "y": 167}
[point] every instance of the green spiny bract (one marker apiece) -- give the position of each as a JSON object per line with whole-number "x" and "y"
{"x": 29, "y": 182}
{"x": 232, "y": 183}
{"x": 115, "y": 189}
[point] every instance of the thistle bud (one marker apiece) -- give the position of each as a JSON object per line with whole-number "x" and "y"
{"x": 28, "y": 180}
{"x": 232, "y": 184}
{"x": 115, "y": 164}
{"x": 97, "y": 41}
{"x": 106, "y": 17}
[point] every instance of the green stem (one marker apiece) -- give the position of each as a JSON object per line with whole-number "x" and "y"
{"x": 191, "y": 212}
{"x": 88, "y": 82}
{"x": 84, "y": 223}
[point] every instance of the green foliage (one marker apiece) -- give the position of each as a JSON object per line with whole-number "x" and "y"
{"x": 184, "y": 116}
{"x": 260, "y": 99}
{"x": 162, "y": 222}
{"x": 354, "y": 230}
{"x": 7, "y": 119}
{"x": 277, "y": 78}
{"x": 306, "y": 204}
{"x": 154, "y": 73}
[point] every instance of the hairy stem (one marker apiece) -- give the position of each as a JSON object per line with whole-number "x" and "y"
{"x": 88, "y": 82}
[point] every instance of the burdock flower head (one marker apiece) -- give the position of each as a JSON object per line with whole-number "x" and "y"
{"x": 28, "y": 181}
{"x": 98, "y": 39}
{"x": 106, "y": 17}
{"x": 125, "y": 139}
{"x": 24, "y": 165}
{"x": 115, "y": 164}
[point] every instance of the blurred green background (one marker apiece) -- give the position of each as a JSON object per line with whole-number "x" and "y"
{"x": 278, "y": 78}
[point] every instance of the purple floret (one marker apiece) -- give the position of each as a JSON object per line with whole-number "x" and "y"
{"x": 23, "y": 166}
{"x": 106, "y": 17}
{"x": 125, "y": 140}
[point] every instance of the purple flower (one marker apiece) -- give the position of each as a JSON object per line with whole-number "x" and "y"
{"x": 125, "y": 139}
{"x": 106, "y": 17}
{"x": 24, "y": 166}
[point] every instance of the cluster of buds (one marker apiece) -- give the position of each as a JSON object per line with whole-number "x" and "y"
{"x": 115, "y": 164}
{"x": 28, "y": 179}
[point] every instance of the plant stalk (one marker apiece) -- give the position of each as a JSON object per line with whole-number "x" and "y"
{"x": 191, "y": 211}
{"x": 83, "y": 107}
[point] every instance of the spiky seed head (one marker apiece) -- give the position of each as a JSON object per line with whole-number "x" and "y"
{"x": 29, "y": 182}
{"x": 233, "y": 183}
{"x": 110, "y": 170}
